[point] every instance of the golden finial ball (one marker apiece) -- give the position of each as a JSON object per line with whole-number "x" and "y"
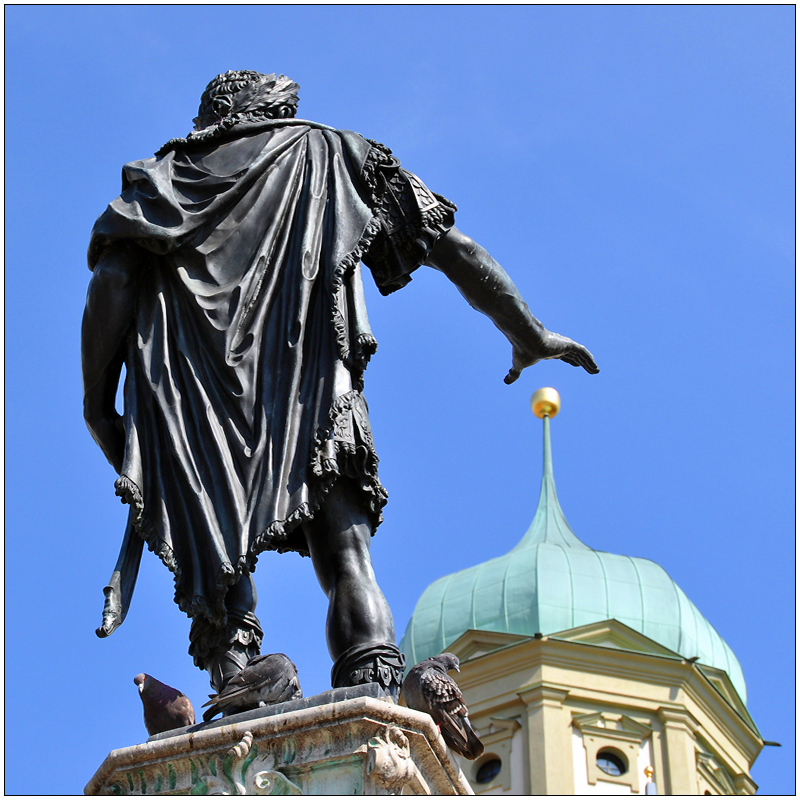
{"x": 649, "y": 771}
{"x": 545, "y": 402}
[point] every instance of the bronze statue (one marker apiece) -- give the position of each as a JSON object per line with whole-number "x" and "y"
{"x": 226, "y": 277}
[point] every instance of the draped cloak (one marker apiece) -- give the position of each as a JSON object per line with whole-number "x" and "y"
{"x": 245, "y": 359}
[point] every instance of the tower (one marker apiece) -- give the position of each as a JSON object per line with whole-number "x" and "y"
{"x": 587, "y": 672}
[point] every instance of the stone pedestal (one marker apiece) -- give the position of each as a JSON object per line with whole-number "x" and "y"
{"x": 343, "y": 742}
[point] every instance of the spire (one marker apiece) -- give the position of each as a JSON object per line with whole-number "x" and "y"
{"x": 549, "y": 524}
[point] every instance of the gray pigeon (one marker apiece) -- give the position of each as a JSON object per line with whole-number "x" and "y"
{"x": 165, "y": 708}
{"x": 429, "y": 688}
{"x": 265, "y": 680}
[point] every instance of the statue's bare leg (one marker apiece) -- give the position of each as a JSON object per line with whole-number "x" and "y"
{"x": 360, "y": 629}
{"x": 339, "y": 540}
{"x": 224, "y": 650}
{"x": 241, "y": 638}
{"x": 107, "y": 318}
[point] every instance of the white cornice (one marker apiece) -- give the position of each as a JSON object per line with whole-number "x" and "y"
{"x": 534, "y": 654}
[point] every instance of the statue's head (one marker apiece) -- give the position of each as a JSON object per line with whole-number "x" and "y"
{"x": 244, "y": 94}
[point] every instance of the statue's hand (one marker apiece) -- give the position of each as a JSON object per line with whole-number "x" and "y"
{"x": 550, "y": 345}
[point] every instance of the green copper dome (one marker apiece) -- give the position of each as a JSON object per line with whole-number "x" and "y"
{"x": 552, "y": 582}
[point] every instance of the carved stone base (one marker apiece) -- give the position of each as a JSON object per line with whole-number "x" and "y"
{"x": 363, "y": 745}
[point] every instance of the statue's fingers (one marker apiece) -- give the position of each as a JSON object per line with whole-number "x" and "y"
{"x": 588, "y": 363}
{"x": 513, "y": 374}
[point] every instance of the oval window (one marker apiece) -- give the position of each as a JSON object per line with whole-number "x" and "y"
{"x": 488, "y": 771}
{"x": 611, "y": 763}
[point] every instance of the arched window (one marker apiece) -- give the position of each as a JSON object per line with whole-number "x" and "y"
{"x": 488, "y": 770}
{"x": 612, "y": 762}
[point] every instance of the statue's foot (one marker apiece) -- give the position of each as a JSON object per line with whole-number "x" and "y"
{"x": 376, "y": 662}
{"x": 222, "y": 666}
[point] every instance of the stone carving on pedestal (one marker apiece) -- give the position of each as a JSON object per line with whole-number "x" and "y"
{"x": 242, "y": 775}
{"x": 240, "y": 772}
{"x": 389, "y": 764}
{"x": 357, "y": 746}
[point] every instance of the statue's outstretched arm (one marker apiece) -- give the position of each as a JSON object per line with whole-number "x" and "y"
{"x": 107, "y": 318}
{"x": 487, "y": 287}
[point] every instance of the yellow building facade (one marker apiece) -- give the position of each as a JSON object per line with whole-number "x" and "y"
{"x": 551, "y": 710}
{"x": 586, "y": 672}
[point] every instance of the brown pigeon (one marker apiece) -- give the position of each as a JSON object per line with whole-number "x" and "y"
{"x": 264, "y": 681}
{"x": 429, "y": 688}
{"x": 165, "y": 708}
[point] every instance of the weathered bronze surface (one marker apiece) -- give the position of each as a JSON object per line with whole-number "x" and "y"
{"x": 226, "y": 277}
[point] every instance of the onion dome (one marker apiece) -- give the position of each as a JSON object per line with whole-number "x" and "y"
{"x": 552, "y": 582}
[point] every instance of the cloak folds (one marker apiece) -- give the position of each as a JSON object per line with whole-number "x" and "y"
{"x": 244, "y": 368}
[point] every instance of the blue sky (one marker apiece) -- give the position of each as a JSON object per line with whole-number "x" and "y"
{"x": 633, "y": 170}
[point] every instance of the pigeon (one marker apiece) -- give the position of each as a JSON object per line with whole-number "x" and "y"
{"x": 429, "y": 688}
{"x": 265, "y": 680}
{"x": 165, "y": 708}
